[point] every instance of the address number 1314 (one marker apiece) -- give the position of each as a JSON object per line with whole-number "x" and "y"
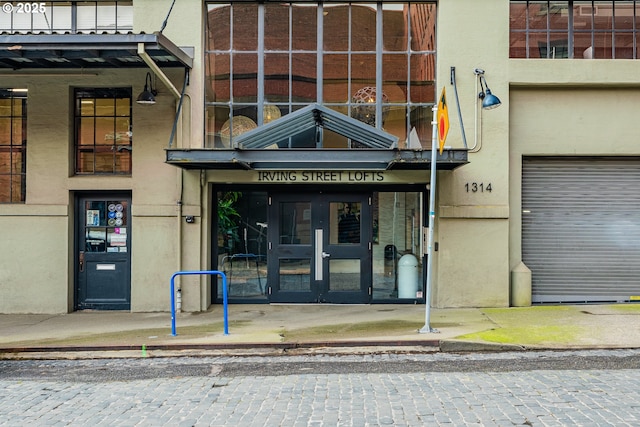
{"x": 477, "y": 187}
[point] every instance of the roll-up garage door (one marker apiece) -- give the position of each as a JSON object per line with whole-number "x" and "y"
{"x": 581, "y": 228}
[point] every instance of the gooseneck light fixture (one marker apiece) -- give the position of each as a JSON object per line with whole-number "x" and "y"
{"x": 489, "y": 100}
{"x": 148, "y": 95}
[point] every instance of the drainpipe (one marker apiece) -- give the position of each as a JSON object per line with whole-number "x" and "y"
{"x": 165, "y": 80}
{"x": 180, "y": 187}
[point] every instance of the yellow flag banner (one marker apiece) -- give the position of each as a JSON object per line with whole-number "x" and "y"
{"x": 443, "y": 120}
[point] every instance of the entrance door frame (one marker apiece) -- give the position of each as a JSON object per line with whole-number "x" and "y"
{"x": 321, "y": 249}
{"x": 114, "y": 266}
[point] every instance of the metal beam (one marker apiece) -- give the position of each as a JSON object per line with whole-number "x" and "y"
{"x": 309, "y": 159}
{"x": 157, "y": 71}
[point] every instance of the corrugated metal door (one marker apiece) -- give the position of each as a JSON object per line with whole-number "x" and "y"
{"x": 581, "y": 228}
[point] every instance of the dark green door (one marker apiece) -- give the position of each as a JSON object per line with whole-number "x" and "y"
{"x": 103, "y": 256}
{"x": 320, "y": 248}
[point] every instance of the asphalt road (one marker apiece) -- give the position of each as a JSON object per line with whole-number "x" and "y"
{"x": 590, "y": 388}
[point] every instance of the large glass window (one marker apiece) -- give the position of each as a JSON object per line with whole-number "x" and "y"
{"x": 242, "y": 243}
{"x": 575, "y": 29}
{"x": 103, "y": 141}
{"x": 13, "y": 145}
{"x": 371, "y": 61}
{"x": 67, "y": 16}
{"x": 397, "y": 245}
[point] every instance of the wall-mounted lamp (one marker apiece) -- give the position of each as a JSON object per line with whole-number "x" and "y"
{"x": 489, "y": 100}
{"x": 148, "y": 95}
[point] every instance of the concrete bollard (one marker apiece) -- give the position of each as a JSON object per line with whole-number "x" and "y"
{"x": 521, "y": 286}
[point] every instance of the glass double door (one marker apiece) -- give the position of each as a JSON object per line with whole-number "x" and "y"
{"x": 319, "y": 248}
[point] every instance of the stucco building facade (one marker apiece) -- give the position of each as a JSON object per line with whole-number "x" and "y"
{"x": 269, "y": 153}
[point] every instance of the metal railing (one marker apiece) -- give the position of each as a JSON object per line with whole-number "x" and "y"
{"x": 224, "y": 297}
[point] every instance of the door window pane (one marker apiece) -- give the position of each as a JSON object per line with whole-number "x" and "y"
{"x": 295, "y": 223}
{"x": 344, "y": 275}
{"x": 295, "y": 275}
{"x": 345, "y": 219}
{"x": 106, "y": 226}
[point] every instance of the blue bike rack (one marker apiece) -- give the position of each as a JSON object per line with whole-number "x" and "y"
{"x": 224, "y": 297}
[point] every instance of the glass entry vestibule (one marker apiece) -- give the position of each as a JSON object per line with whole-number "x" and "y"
{"x": 318, "y": 246}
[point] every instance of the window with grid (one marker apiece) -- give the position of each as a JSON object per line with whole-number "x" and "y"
{"x": 371, "y": 61}
{"x": 103, "y": 137}
{"x": 67, "y": 16}
{"x": 13, "y": 145}
{"x": 575, "y": 29}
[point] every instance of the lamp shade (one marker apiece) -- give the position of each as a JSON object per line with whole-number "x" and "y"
{"x": 241, "y": 124}
{"x": 146, "y": 97}
{"x": 490, "y": 101}
{"x": 270, "y": 113}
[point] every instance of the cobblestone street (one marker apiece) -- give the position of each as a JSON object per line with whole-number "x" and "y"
{"x": 490, "y": 395}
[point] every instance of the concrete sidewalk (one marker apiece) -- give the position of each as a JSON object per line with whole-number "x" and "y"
{"x": 258, "y": 329}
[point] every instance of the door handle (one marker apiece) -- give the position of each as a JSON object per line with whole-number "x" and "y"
{"x": 81, "y": 261}
{"x": 325, "y": 255}
{"x": 319, "y": 254}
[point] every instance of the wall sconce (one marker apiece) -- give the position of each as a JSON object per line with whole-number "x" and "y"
{"x": 148, "y": 95}
{"x": 489, "y": 100}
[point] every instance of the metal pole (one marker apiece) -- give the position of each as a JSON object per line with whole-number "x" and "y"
{"x": 225, "y": 297}
{"x": 173, "y": 305}
{"x": 225, "y": 303}
{"x": 432, "y": 213}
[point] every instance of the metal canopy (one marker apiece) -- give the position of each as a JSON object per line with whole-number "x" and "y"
{"x": 324, "y": 159}
{"x": 54, "y": 51}
{"x": 310, "y": 117}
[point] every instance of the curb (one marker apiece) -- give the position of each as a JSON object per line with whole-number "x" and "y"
{"x": 460, "y": 346}
{"x": 283, "y": 347}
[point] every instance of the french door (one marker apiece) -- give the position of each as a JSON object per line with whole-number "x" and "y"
{"x": 319, "y": 248}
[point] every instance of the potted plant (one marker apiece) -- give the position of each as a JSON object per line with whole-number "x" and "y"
{"x": 227, "y": 216}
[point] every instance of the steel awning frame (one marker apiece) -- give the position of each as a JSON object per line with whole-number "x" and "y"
{"x": 55, "y": 51}
{"x": 314, "y": 116}
{"x": 313, "y": 159}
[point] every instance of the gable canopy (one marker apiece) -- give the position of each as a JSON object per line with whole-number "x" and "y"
{"x": 377, "y": 149}
{"x": 54, "y": 51}
{"x": 315, "y": 117}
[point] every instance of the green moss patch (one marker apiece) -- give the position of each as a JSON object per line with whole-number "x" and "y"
{"x": 626, "y": 308}
{"x": 532, "y": 335}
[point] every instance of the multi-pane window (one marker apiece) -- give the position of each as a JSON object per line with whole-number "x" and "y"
{"x": 371, "y": 61}
{"x": 103, "y": 131}
{"x": 575, "y": 29}
{"x": 13, "y": 145}
{"x": 67, "y": 16}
